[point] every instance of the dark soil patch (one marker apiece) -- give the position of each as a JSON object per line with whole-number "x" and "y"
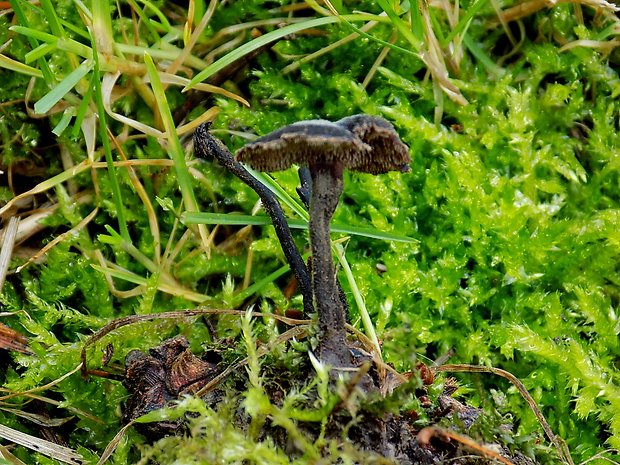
{"x": 390, "y": 420}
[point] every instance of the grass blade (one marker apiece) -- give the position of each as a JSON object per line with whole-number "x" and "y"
{"x": 52, "y": 18}
{"x": 176, "y": 150}
{"x": 258, "y": 285}
{"x": 401, "y": 25}
{"x": 35, "y": 34}
{"x": 13, "y": 65}
{"x": 105, "y": 140}
{"x": 64, "y": 121}
{"x": 263, "y": 220}
{"x": 39, "y": 52}
{"x": 280, "y": 193}
{"x": 369, "y": 328}
{"x": 50, "y": 99}
{"x": 266, "y": 39}
{"x": 23, "y": 19}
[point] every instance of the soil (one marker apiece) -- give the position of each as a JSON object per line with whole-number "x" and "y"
{"x": 434, "y": 432}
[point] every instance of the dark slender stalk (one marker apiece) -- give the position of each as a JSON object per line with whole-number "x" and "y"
{"x": 326, "y": 190}
{"x": 304, "y": 191}
{"x": 206, "y": 145}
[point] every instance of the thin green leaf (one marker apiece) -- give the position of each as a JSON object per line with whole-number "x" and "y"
{"x": 23, "y": 20}
{"x": 130, "y": 277}
{"x": 382, "y": 42}
{"x": 260, "y": 220}
{"x": 68, "y": 45}
{"x": 266, "y": 39}
{"x": 482, "y": 57}
{"x": 83, "y": 108}
{"x": 13, "y": 65}
{"x": 72, "y": 46}
{"x": 279, "y": 192}
{"x": 258, "y": 285}
{"x": 39, "y": 52}
{"x": 35, "y": 34}
{"x": 369, "y": 328}
{"x": 52, "y": 18}
{"x": 176, "y": 150}
{"x": 401, "y": 25}
{"x": 145, "y": 20}
{"x": 417, "y": 23}
{"x": 105, "y": 140}
{"x": 64, "y": 121}
{"x": 57, "y": 93}
{"x": 464, "y": 22}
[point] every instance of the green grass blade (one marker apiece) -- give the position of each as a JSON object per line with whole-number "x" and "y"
{"x": 35, "y": 34}
{"x": 105, "y": 140}
{"x": 23, "y": 20}
{"x": 130, "y": 277}
{"x": 369, "y": 328}
{"x": 417, "y": 23}
{"x": 176, "y": 150}
{"x": 262, "y": 220}
{"x": 279, "y": 192}
{"x": 83, "y": 108}
{"x": 145, "y": 20}
{"x": 382, "y": 42}
{"x": 57, "y": 93}
{"x": 52, "y": 18}
{"x": 482, "y": 57}
{"x": 13, "y": 65}
{"x": 39, "y": 52}
{"x": 258, "y": 285}
{"x": 266, "y": 39}
{"x": 64, "y": 121}
{"x": 62, "y": 43}
{"x": 73, "y": 46}
{"x": 401, "y": 25}
{"x": 464, "y": 22}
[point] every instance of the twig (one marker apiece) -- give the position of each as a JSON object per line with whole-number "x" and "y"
{"x": 559, "y": 444}
{"x": 206, "y": 145}
{"x": 425, "y": 435}
{"x": 124, "y": 321}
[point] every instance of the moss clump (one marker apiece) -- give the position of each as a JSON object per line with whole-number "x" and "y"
{"x": 512, "y": 199}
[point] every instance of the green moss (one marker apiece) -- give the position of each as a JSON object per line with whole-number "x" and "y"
{"x": 513, "y": 200}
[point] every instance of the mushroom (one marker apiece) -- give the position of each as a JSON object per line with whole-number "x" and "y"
{"x": 360, "y": 143}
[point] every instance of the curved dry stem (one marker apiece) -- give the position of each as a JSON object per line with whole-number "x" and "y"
{"x": 178, "y": 314}
{"x": 206, "y": 145}
{"x": 559, "y": 444}
{"x": 425, "y": 435}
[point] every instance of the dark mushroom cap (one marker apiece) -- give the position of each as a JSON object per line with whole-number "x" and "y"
{"x": 360, "y": 143}
{"x": 303, "y": 143}
{"x": 389, "y": 153}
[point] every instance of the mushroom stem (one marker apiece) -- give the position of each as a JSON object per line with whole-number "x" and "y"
{"x": 326, "y": 190}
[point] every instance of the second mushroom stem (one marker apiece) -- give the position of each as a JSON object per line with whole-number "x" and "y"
{"x": 205, "y": 144}
{"x": 327, "y": 187}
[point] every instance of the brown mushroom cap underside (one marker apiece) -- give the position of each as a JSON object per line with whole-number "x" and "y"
{"x": 321, "y": 142}
{"x": 389, "y": 151}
